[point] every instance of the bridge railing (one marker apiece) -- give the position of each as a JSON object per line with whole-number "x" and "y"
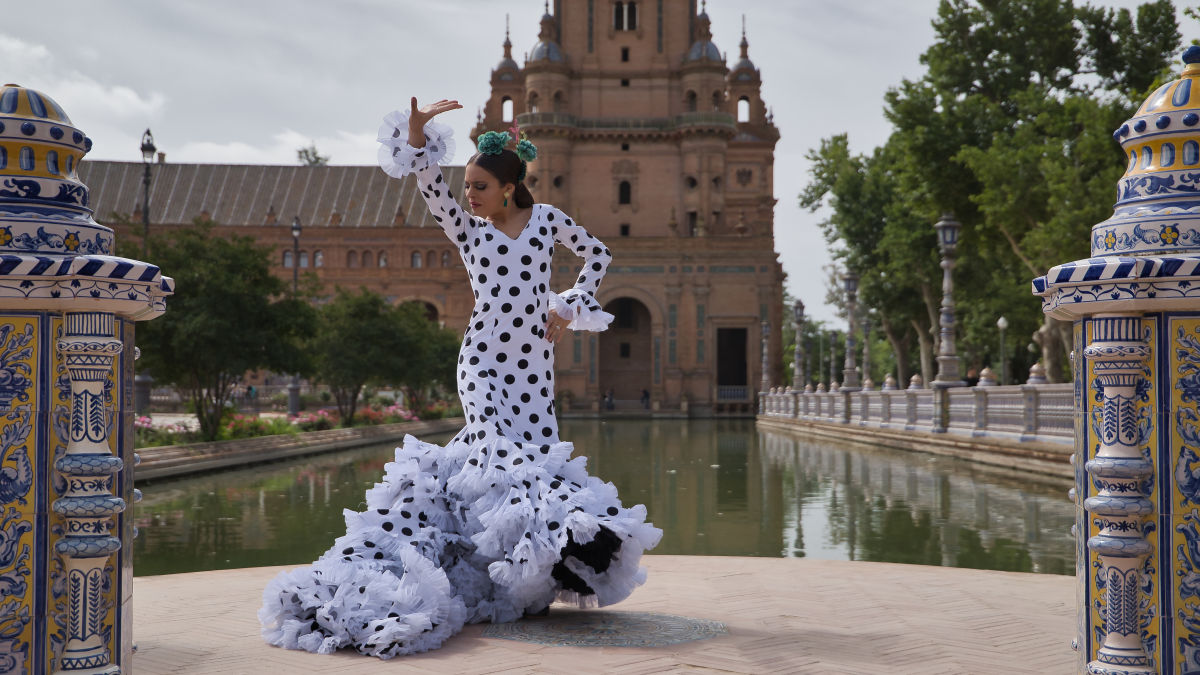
{"x": 1027, "y": 412}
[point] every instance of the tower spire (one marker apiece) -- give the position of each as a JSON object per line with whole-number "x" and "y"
{"x": 745, "y": 45}
{"x": 507, "y": 41}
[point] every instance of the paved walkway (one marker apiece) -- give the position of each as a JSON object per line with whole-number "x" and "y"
{"x": 782, "y": 616}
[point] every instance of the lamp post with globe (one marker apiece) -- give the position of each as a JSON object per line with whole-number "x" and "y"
{"x": 1002, "y": 324}
{"x": 143, "y": 382}
{"x": 294, "y": 385}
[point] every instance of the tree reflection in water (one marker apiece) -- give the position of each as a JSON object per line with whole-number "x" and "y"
{"x": 716, "y": 487}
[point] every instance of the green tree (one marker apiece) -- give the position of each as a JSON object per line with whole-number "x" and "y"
{"x": 1009, "y": 129}
{"x": 229, "y": 315}
{"x": 310, "y": 156}
{"x": 361, "y": 340}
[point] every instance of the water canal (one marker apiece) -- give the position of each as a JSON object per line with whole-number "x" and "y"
{"x": 716, "y": 487}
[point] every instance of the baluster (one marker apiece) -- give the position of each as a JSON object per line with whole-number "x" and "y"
{"x": 1120, "y": 505}
{"x": 89, "y": 348}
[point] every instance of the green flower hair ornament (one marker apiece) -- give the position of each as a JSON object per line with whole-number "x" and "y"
{"x": 526, "y": 150}
{"x": 493, "y": 142}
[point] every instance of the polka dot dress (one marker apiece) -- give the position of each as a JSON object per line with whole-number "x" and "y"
{"x": 501, "y": 521}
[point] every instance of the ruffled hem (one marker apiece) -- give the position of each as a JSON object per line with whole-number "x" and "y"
{"x": 581, "y": 309}
{"x": 398, "y": 159}
{"x": 466, "y": 533}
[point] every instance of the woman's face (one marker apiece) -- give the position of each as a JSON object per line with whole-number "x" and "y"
{"x": 484, "y": 192}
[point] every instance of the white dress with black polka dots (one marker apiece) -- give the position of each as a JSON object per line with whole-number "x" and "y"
{"x": 500, "y": 521}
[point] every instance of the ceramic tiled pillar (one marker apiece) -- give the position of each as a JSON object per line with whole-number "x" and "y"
{"x": 67, "y": 312}
{"x": 1135, "y": 305}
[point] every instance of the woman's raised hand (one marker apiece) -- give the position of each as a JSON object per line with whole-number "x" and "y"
{"x": 419, "y": 116}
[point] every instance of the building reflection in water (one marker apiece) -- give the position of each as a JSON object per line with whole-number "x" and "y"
{"x": 716, "y": 487}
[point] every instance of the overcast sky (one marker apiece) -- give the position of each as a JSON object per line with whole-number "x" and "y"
{"x": 237, "y": 81}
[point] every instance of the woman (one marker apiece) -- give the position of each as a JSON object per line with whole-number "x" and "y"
{"x": 501, "y": 521}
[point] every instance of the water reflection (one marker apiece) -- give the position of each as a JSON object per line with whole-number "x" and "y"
{"x": 716, "y": 487}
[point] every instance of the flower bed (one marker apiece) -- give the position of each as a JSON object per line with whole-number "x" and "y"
{"x": 239, "y": 426}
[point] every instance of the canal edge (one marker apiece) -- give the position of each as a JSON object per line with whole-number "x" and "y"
{"x": 174, "y": 461}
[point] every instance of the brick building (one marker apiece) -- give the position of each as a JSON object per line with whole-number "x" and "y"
{"x": 645, "y": 136}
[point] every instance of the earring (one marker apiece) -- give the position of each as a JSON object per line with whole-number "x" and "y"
{"x": 506, "y": 200}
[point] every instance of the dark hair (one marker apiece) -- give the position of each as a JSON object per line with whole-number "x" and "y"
{"x": 507, "y": 168}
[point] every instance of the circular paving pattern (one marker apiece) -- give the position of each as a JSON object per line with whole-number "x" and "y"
{"x": 606, "y": 629}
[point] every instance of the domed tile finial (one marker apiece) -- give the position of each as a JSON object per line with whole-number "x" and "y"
{"x": 1191, "y": 55}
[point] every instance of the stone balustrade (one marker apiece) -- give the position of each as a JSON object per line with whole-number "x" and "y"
{"x": 1024, "y": 412}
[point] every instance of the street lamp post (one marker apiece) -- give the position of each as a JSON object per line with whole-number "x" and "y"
{"x": 765, "y": 385}
{"x": 832, "y": 359}
{"x": 948, "y": 366}
{"x": 143, "y": 383}
{"x": 798, "y": 355}
{"x": 148, "y": 150}
{"x": 850, "y": 381}
{"x": 867, "y": 383}
{"x": 1002, "y": 324}
{"x": 294, "y": 385}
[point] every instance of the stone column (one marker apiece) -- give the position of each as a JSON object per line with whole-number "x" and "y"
{"x": 867, "y": 383}
{"x": 1135, "y": 309}
{"x": 68, "y": 308}
{"x": 766, "y": 357}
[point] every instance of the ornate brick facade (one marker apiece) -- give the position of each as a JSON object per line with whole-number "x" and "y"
{"x": 645, "y": 136}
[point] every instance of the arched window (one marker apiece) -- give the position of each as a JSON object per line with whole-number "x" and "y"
{"x": 431, "y": 258}
{"x": 351, "y": 259}
{"x": 287, "y": 259}
{"x": 416, "y": 260}
{"x": 533, "y": 102}
{"x": 445, "y": 258}
{"x": 743, "y": 109}
{"x": 303, "y": 259}
{"x": 624, "y": 193}
{"x": 691, "y": 182}
{"x": 619, "y": 16}
{"x": 631, "y": 16}
{"x": 318, "y": 258}
{"x": 560, "y": 102}
{"x": 367, "y": 260}
{"x": 691, "y": 101}
{"x": 506, "y": 109}
{"x": 716, "y": 100}
{"x": 52, "y": 162}
{"x": 381, "y": 261}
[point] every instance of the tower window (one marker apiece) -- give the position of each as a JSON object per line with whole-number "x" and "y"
{"x": 743, "y": 111}
{"x": 415, "y": 260}
{"x": 624, "y": 83}
{"x": 558, "y": 181}
{"x": 625, "y": 54}
{"x": 624, "y": 193}
{"x": 625, "y": 16}
{"x": 506, "y": 109}
{"x": 624, "y": 229}
{"x": 691, "y": 101}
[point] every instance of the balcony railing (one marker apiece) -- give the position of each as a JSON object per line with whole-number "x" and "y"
{"x": 1024, "y": 412}
{"x": 685, "y": 120}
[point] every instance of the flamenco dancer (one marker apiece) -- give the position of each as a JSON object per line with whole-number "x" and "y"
{"x": 501, "y": 521}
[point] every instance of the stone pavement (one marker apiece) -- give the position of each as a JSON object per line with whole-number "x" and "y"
{"x": 782, "y": 616}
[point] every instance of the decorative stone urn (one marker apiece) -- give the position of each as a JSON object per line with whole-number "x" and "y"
{"x": 67, "y": 313}
{"x": 1135, "y": 306}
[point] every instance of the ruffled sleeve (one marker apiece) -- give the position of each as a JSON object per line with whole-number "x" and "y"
{"x": 578, "y": 303}
{"x": 398, "y": 159}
